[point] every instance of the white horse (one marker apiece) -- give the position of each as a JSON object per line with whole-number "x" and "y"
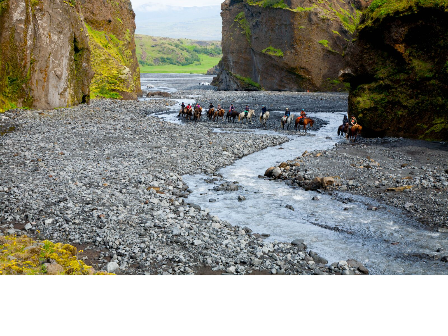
{"x": 249, "y": 116}
{"x": 264, "y": 117}
{"x": 287, "y": 121}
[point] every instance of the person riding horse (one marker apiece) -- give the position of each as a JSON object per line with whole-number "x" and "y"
{"x": 345, "y": 121}
{"x": 287, "y": 113}
{"x": 246, "y": 110}
{"x": 232, "y": 108}
{"x": 211, "y": 106}
{"x": 302, "y": 117}
{"x": 263, "y": 110}
{"x": 183, "y": 107}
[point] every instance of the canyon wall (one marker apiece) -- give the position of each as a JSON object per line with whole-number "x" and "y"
{"x": 397, "y": 68}
{"x": 56, "y": 53}
{"x": 293, "y": 45}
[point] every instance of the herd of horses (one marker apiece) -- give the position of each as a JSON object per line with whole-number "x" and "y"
{"x": 195, "y": 114}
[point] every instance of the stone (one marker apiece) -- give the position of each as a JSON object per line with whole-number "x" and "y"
{"x": 327, "y": 181}
{"x": 363, "y": 270}
{"x": 112, "y": 267}
{"x": 276, "y": 172}
{"x": 54, "y": 269}
{"x": 241, "y": 198}
{"x": 269, "y": 171}
{"x": 444, "y": 259}
{"x": 443, "y": 230}
{"x": 290, "y": 207}
{"x": 212, "y": 200}
{"x": 315, "y": 198}
{"x": 343, "y": 264}
{"x": 231, "y": 270}
{"x": 28, "y": 226}
{"x": 198, "y": 242}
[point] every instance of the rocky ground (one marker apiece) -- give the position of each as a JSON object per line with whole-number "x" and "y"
{"x": 107, "y": 178}
{"x": 407, "y": 174}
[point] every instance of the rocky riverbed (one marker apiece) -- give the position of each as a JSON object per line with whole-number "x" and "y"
{"x": 107, "y": 178}
{"x": 407, "y": 174}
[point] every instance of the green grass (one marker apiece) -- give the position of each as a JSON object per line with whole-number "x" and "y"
{"x": 206, "y": 63}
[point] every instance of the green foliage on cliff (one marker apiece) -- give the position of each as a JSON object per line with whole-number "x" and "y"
{"x": 380, "y": 9}
{"x": 404, "y": 89}
{"x": 248, "y": 83}
{"x": 272, "y": 51}
{"x": 274, "y": 4}
{"x": 111, "y": 61}
{"x": 244, "y": 25}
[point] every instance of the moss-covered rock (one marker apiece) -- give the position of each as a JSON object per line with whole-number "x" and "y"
{"x": 111, "y": 27}
{"x": 44, "y": 54}
{"x": 398, "y": 69}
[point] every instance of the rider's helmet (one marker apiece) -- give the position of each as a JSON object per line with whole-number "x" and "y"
{"x": 287, "y": 109}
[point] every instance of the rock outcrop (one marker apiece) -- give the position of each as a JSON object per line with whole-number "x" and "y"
{"x": 398, "y": 70}
{"x": 56, "y": 53}
{"x": 111, "y": 27}
{"x": 44, "y": 55}
{"x": 294, "y": 45}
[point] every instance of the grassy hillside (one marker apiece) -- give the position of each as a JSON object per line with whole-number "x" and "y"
{"x": 167, "y": 55}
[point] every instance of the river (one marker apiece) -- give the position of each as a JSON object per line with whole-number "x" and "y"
{"x": 385, "y": 241}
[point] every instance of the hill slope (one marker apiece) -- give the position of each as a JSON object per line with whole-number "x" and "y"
{"x": 162, "y": 54}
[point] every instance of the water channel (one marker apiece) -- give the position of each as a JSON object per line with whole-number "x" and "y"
{"x": 385, "y": 241}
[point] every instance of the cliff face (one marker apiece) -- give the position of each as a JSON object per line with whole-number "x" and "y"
{"x": 294, "y": 45}
{"x": 44, "y": 55}
{"x": 398, "y": 69}
{"x": 111, "y": 27}
{"x": 56, "y": 53}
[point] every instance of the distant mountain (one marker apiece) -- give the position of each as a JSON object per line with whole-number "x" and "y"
{"x": 198, "y": 23}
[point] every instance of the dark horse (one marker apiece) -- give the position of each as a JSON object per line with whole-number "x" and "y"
{"x": 232, "y": 115}
{"x": 304, "y": 122}
{"x": 343, "y": 129}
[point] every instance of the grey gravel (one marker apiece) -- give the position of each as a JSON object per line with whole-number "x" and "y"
{"x": 107, "y": 177}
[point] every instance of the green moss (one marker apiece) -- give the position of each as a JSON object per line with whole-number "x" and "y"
{"x": 111, "y": 61}
{"x": 272, "y": 51}
{"x": 248, "y": 82}
{"x": 244, "y": 25}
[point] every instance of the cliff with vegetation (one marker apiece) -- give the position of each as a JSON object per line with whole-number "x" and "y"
{"x": 398, "y": 69}
{"x": 294, "y": 45}
{"x": 56, "y": 53}
{"x": 111, "y": 26}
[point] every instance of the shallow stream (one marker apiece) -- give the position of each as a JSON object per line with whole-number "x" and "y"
{"x": 385, "y": 241}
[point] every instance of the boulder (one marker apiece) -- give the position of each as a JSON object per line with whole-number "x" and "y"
{"x": 54, "y": 269}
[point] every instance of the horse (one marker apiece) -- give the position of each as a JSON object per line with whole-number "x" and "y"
{"x": 353, "y": 132}
{"x": 305, "y": 122}
{"x": 232, "y": 115}
{"x": 249, "y": 116}
{"x": 219, "y": 114}
{"x": 182, "y": 112}
{"x": 197, "y": 113}
{"x": 188, "y": 113}
{"x": 343, "y": 129}
{"x": 211, "y": 113}
{"x": 264, "y": 117}
{"x": 287, "y": 121}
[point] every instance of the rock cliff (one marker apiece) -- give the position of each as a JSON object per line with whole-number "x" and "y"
{"x": 111, "y": 27}
{"x": 294, "y": 45}
{"x": 56, "y": 53}
{"x": 398, "y": 69}
{"x": 44, "y": 54}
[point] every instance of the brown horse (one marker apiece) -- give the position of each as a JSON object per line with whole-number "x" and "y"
{"x": 189, "y": 113}
{"x": 232, "y": 115}
{"x": 304, "y": 122}
{"x": 354, "y": 132}
{"x": 343, "y": 129}
{"x": 211, "y": 113}
{"x": 219, "y": 114}
{"x": 197, "y": 113}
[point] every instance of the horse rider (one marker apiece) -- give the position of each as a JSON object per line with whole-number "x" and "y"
{"x": 219, "y": 107}
{"x": 183, "y": 107}
{"x": 345, "y": 121}
{"x": 352, "y": 123}
{"x": 232, "y": 108}
{"x": 198, "y": 106}
{"x": 188, "y": 107}
{"x": 263, "y": 110}
{"x": 246, "y": 110}
{"x": 287, "y": 113}
{"x": 302, "y": 117}
{"x": 211, "y": 106}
